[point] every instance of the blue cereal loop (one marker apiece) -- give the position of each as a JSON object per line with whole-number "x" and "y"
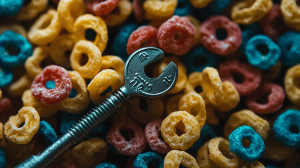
{"x": 2, "y": 159}
{"x": 256, "y": 148}
{"x": 6, "y": 77}
{"x": 142, "y": 160}
{"x": 106, "y": 165}
{"x": 262, "y": 52}
{"x": 286, "y": 128}
{"x": 48, "y": 132}
{"x": 290, "y": 47}
{"x": 214, "y": 7}
{"x": 250, "y": 31}
{"x": 10, "y": 7}
{"x": 18, "y": 42}
{"x": 184, "y": 8}
{"x": 199, "y": 58}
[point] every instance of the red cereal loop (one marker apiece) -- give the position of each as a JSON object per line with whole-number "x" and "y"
{"x": 176, "y": 35}
{"x": 6, "y": 109}
{"x": 209, "y": 39}
{"x": 144, "y": 36}
{"x": 273, "y": 24}
{"x": 268, "y": 98}
{"x": 100, "y": 7}
{"x": 138, "y": 10}
{"x": 243, "y": 76}
{"x": 63, "y": 85}
{"x": 152, "y": 133}
{"x": 62, "y": 164}
{"x": 137, "y": 142}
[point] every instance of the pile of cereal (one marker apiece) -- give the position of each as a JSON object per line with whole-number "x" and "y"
{"x": 236, "y": 103}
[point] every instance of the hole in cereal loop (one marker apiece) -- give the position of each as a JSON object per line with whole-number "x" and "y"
{"x": 238, "y": 78}
{"x": 198, "y": 89}
{"x": 83, "y": 59}
{"x": 181, "y": 125}
{"x": 221, "y": 34}
{"x": 263, "y": 99}
{"x": 263, "y": 49}
{"x": 90, "y": 34}
{"x": 246, "y": 142}
{"x": 73, "y": 93}
{"x": 50, "y": 85}
{"x": 128, "y": 134}
{"x": 294, "y": 129}
{"x": 143, "y": 105}
{"x": 108, "y": 90}
{"x": 21, "y": 125}
{"x": 11, "y": 50}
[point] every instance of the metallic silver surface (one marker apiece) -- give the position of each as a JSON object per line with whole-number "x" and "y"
{"x": 136, "y": 84}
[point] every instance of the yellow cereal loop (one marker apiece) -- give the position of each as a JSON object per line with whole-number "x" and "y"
{"x": 19, "y": 86}
{"x": 200, "y": 3}
{"x": 196, "y": 23}
{"x": 194, "y": 104}
{"x": 31, "y": 10}
{"x": 247, "y": 117}
{"x": 14, "y": 27}
{"x": 172, "y": 103}
{"x": 191, "y": 131}
{"x": 156, "y": 9}
{"x": 175, "y": 158}
{"x": 255, "y": 164}
{"x": 249, "y": 11}
{"x": 102, "y": 81}
{"x": 90, "y": 69}
{"x": 96, "y": 23}
{"x": 2, "y": 137}
{"x": 203, "y": 158}
{"x": 43, "y": 110}
{"x": 292, "y": 84}
{"x": 33, "y": 63}
{"x": 81, "y": 101}
{"x": 231, "y": 98}
{"x": 115, "y": 63}
{"x": 212, "y": 85}
{"x": 15, "y": 132}
{"x": 61, "y": 48}
{"x": 218, "y": 144}
{"x": 194, "y": 84}
{"x": 45, "y": 28}
{"x": 291, "y": 13}
{"x": 69, "y": 11}
{"x": 119, "y": 14}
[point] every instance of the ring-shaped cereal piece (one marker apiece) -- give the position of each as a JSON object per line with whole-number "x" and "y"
{"x": 63, "y": 85}
{"x": 68, "y": 11}
{"x": 200, "y": 3}
{"x": 255, "y": 164}
{"x": 247, "y": 117}
{"x": 115, "y": 63}
{"x": 193, "y": 103}
{"x": 208, "y": 35}
{"x": 138, "y": 10}
{"x": 89, "y": 21}
{"x": 10, "y": 8}
{"x": 123, "y": 11}
{"x": 191, "y": 131}
{"x": 275, "y": 98}
{"x": 144, "y": 160}
{"x": 291, "y": 84}
{"x": 176, "y": 158}
{"x": 45, "y": 29}
{"x": 184, "y": 8}
{"x": 33, "y": 63}
{"x": 212, "y": 85}
{"x": 244, "y": 77}
{"x": 291, "y": 13}
{"x": 196, "y": 23}
{"x": 101, "y": 8}
{"x": 218, "y": 144}
{"x": 101, "y": 83}
{"x": 15, "y": 28}
{"x": 17, "y": 88}
{"x": 77, "y": 104}
{"x": 22, "y": 135}
{"x": 92, "y": 67}
{"x": 159, "y": 9}
{"x": 152, "y": 133}
{"x": 137, "y": 142}
{"x": 60, "y": 49}
{"x": 249, "y": 11}
{"x": 31, "y": 10}
{"x": 194, "y": 84}
{"x": 289, "y": 44}
{"x": 172, "y": 103}
{"x": 2, "y": 136}
{"x": 203, "y": 157}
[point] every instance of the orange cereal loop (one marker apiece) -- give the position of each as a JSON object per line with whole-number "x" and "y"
{"x": 119, "y": 14}
{"x": 17, "y": 88}
{"x": 212, "y": 85}
{"x": 175, "y": 158}
{"x": 90, "y": 68}
{"x": 292, "y": 84}
{"x": 291, "y": 13}
{"x": 249, "y": 11}
{"x": 69, "y": 11}
{"x": 255, "y": 164}
{"x": 33, "y": 63}
{"x": 2, "y": 137}
{"x": 17, "y": 133}
{"x": 182, "y": 77}
{"x": 194, "y": 104}
{"x": 191, "y": 131}
{"x": 89, "y": 153}
{"x": 81, "y": 101}
{"x": 115, "y": 63}
{"x": 31, "y": 10}
{"x": 219, "y": 150}
{"x": 43, "y": 110}
{"x": 45, "y": 29}
{"x": 14, "y": 27}
{"x": 196, "y": 23}
{"x": 211, "y": 117}
{"x": 203, "y": 158}
{"x": 156, "y": 9}
{"x": 102, "y": 81}
{"x": 231, "y": 98}
{"x": 200, "y": 3}
{"x": 88, "y": 21}
{"x": 247, "y": 117}
{"x": 146, "y": 110}
{"x": 172, "y": 103}
{"x": 61, "y": 48}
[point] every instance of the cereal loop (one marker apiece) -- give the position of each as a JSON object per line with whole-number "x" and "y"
{"x": 2, "y": 136}
{"x": 15, "y": 28}
{"x": 17, "y": 88}
{"x": 212, "y": 85}
{"x": 18, "y": 134}
{"x": 292, "y": 83}
{"x": 100, "y": 8}
{"x": 175, "y": 158}
{"x": 115, "y": 63}
{"x": 291, "y": 13}
{"x": 200, "y": 3}
{"x": 194, "y": 84}
{"x": 159, "y": 9}
{"x": 31, "y": 10}
{"x": 123, "y": 11}
{"x": 203, "y": 157}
